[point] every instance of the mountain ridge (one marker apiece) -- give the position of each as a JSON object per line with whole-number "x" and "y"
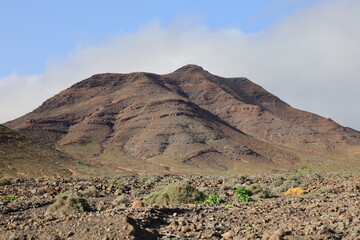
{"x": 186, "y": 119}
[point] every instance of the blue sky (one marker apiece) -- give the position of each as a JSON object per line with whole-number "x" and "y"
{"x": 36, "y": 31}
{"x": 306, "y": 52}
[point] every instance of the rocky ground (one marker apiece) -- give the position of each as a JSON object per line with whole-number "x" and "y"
{"x": 329, "y": 210}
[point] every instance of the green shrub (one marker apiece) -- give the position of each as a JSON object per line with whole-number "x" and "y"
{"x": 213, "y": 199}
{"x": 308, "y": 195}
{"x": 90, "y": 192}
{"x": 11, "y": 197}
{"x": 242, "y": 194}
{"x": 69, "y": 204}
{"x": 175, "y": 193}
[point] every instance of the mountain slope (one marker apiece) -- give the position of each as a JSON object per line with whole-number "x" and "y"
{"x": 22, "y": 156}
{"x": 189, "y": 120}
{"x": 255, "y": 111}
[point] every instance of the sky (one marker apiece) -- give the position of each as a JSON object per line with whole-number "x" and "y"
{"x": 306, "y": 52}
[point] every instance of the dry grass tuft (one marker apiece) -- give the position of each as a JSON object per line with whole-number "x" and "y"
{"x": 295, "y": 191}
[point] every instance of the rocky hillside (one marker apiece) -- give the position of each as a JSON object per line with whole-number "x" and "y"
{"x": 255, "y": 111}
{"x": 188, "y": 120}
{"x": 22, "y": 156}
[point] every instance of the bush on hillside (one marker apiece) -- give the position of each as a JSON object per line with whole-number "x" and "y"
{"x": 213, "y": 199}
{"x": 175, "y": 193}
{"x": 69, "y": 205}
{"x": 257, "y": 190}
{"x": 243, "y": 194}
{"x": 89, "y": 192}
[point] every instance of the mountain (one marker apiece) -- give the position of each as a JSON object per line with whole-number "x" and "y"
{"x": 22, "y": 156}
{"x": 185, "y": 121}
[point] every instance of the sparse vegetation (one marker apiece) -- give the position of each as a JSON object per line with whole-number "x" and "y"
{"x": 242, "y": 194}
{"x": 257, "y": 190}
{"x": 122, "y": 186}
{"x": 290, "y": 183}
{"x": 143, "y": 179}
{"x": 136, "y": 192}
{"x": 213, "y": 199}
{"x": 69, "y": 204}
{"x": 4, "y": 182}
{"x": 175, "y": 193}
{"x": 90, "y": 192}
{"x": 307, "y": 195}
{"x": 11, "y": 197}
{"x": 100, "y": 206}
{"x": 279, "y": 181}
{"x": 233, "y": 219}
{"x": 305, "y": 169}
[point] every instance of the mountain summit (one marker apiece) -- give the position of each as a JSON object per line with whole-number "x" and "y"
{"x": 185, "y": 121}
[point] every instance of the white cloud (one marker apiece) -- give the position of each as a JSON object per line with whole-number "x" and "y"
{"x": 310, "y": 60}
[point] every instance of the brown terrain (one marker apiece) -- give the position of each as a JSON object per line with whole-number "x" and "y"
{"x": 329, "y": 209}
{"x": 146, "y": 156}
{"x": 188, "y": 121}
{"x": 22, "y": 156}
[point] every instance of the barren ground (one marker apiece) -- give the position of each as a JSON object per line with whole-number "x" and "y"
{"x": 330, "y": 209}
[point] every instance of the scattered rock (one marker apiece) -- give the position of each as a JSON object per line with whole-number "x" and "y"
{"x": 137, "y": 204}
{"x": 323, "y": 216}
{"x": 228, "y": 235}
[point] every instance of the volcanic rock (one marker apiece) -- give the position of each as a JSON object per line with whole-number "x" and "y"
{"x": 185, "y": 121}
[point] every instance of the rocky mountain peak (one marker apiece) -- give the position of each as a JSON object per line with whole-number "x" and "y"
{"x": 190, "y": 68}
{"x": 189, "y": 119}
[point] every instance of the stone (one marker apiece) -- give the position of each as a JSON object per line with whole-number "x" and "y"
{"x": 137, "y": 204}
{"x": 185, "y": 229}
{"x": 228, "y": 235}
{"x": 182, "y": 221}
{"x": 118, "y": 192}
{"x": 192, "y": 227}
{"x": 277, "y": 235}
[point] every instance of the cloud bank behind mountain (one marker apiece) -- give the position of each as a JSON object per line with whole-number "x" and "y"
{"x": 310, "y": 60}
